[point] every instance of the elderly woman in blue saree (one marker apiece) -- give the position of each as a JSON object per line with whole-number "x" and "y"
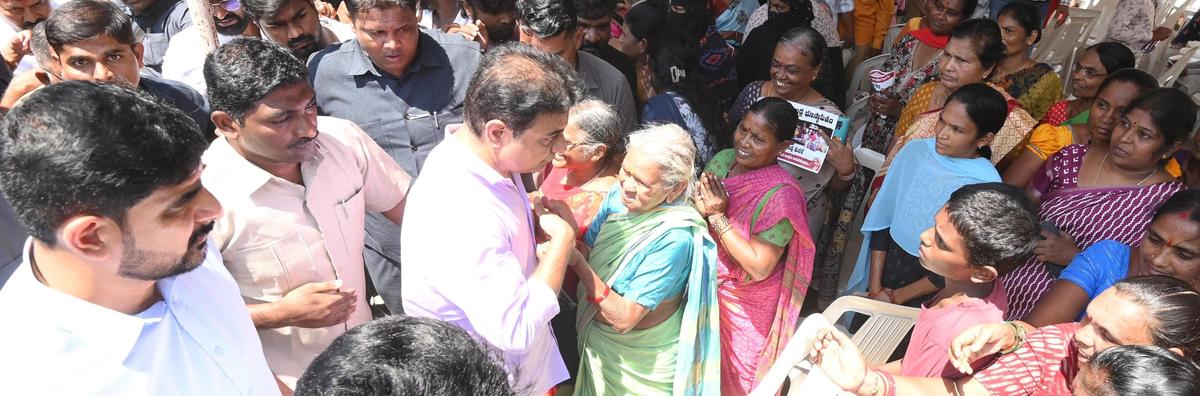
{"x": 919, "y": 183}
{"x": 648, "y": 314}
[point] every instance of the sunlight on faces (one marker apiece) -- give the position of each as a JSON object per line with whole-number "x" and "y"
{"x": 1107, "y": 108}
{"x": 943, "y": 250}
{"x": 565, "y": 44}
{"x": 279, "y": 129}
{"x": 1086, "y": 79}
{"x": 960, "y": 65}
{"x": 1137, "y": 143}
{"x": 1171, "y": 247}
{"x": 296, "y": 26}
{"x": 755, "y": 143}
{"x": 165, "y": 233}
{"x": 389, "y": 36}
{"x": 25, "y": 13}
{"x": 575, "y": 151}
{"x": 642, "y": 184}
{"x": 1112, "y": 320}
{"x": 533, "y": 149}
{"x": 1016, "y": 40}
{"x": 791, "y": 70}
{"x": 955, "y": 132}
{"x": 102, "y": 58}
{"x": 945, "y": 15}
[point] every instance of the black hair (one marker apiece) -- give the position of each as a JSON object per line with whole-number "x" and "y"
{"x": 1027, "y": 15}
{"x": 40, "y": 47}
{"x": 986, "y": 107}
{"x": 1173, "y": 307}
{"x": 969, "y": 7}
{"x": 779, "y": 114}
{"x": 516, "y": 83}
{"x": 1144, "y": 371}
{"x": 260, "y": 9}
{"x": 241, "y": 72}
{"x": 695, "y": 19}
{"x": 547, "y": 18}
{"x": 985, "y": 38}
{"x": 1114, "y": 56}
{"x": 1171, "y": 110}
{"x": 809, "y": 41}
{"x": 493, "y": 6}
{"x": 405, "y": 356}
{"x": 1144, "y": 81}
{"x": 79, "y": 147}
{"x": 1182, "y": 202}
{"x": 594, "y": 9}
{"x": 674, "y": 66}
{"x": 354, "y": 7}
{"x": 646, "y": 18}
{"x": 998, "y": 224}
{"x": 81, "y": 20}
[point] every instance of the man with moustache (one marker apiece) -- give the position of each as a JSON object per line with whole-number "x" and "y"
{"x": 595, "y": 21}
{"x": 403, "y": 85}
{"x": 119, "y": 291}
{"x": 17, "y": 17}
{"x": 184, "y": 62}
{"x": 495, "y": 22}
{"x": 296, "y": 189}
{"x": 469, "y": 243}
{"x": 296, "y": 25}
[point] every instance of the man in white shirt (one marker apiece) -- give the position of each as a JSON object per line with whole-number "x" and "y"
{"x": 184, "y": 62}
{"x": 296, "y": 190}
{"x": 119, "y": 291}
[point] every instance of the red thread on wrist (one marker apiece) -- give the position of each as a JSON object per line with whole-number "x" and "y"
{"x": 596, "y": 300}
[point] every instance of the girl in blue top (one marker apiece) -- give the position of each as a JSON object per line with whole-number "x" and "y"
{"x": 1170, "y": 247}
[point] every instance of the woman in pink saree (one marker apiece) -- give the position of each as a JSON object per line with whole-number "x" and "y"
{"x": 1097, "y": 192}
{"x": 755, "y": 211}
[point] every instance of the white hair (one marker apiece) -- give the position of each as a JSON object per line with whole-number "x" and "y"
{"x": 672, "y": 149}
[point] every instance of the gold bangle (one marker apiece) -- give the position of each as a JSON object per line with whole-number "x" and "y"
{"x": 1018, "y": 338}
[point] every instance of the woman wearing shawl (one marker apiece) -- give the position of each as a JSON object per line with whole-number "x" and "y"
{"x": 924, "y": 175}
{"x": 974, "y": 50}
{"x": 1097, "y": 192}
{"x": 1035, "y": 85}
{"x": 648, "y": 304}
{"x": 915, "y": 58}
{"x": 1146, "y": 310}
{"x": 765, "y": 252}
{"x": 1113, "y": 95}
{"x": 794, "y": 65}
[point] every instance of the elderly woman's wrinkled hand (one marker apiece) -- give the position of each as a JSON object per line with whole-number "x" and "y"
{"x": 710, "y": 196}
{"x": 554, "y": 218}
{"x": 885, "y": 104}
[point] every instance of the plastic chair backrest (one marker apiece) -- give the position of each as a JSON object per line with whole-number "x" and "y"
{"x": 1168, "y": 78}
{"x": 862, "y": 79}
{"x": 887, "y": 325}
{"x": 1065, "y": 40}
{"x": 893, "y": 34}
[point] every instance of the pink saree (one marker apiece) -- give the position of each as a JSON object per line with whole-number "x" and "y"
{"x": 758, "y": 317}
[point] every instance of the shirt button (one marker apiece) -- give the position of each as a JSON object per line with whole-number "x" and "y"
{"x": 414, "y": 148}
{"x": 218, "y": 350}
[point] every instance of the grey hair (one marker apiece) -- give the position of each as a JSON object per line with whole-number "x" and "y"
{"x": 808, "y": 41}
{"x": 600, "y": 124}
{"x": 672, "y": 148}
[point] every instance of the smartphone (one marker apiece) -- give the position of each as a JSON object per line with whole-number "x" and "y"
{"x": 1049, "y": 226}
{"x": 843, "y": 128}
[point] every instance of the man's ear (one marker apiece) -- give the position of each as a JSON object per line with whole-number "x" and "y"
{"x": 226, "y": 125}
{"x": 94, "y": 238}
{"x": 138, "y": 50}
{"x": 578, "y": 37}
{"x": 494, "y": 132}
{"x": 984, "y": 274}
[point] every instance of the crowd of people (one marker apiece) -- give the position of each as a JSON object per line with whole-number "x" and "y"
{"x": 587, "y": 197}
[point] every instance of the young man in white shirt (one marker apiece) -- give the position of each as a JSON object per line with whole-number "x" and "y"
{"x": 119, "y": 291}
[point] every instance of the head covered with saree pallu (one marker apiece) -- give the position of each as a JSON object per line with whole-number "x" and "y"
{"x": 657, "y": 257}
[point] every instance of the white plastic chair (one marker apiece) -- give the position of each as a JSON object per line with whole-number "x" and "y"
{"x": 1066, "y": 39}
{"x": 885, "y": 328}
{"x": 1168, "y": 78}
{"x": 893, "y": 34}
{"x": 862, "y": 79}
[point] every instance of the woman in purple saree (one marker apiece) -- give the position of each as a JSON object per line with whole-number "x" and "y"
{"x": 1091, "y": 193}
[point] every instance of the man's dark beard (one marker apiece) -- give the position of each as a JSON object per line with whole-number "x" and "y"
{"x": 30, "y": 25}
{"x": 303, "y": 53}
{"x": 500, "y": 34}
{"x": 234, "y": 29}
{"x": 150, "y": 265}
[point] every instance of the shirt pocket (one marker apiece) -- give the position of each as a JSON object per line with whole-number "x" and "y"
{"x": 269, "y": 271}
{"x": 351, "y": 218}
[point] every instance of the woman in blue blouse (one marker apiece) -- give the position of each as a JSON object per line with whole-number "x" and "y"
{"x": 1170, "y": 247}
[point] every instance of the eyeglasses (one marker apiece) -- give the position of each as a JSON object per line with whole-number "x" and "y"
{"x": 572, "y": 145}
{"x": 1087, "y": 71}
{"x": 228, "y": 5}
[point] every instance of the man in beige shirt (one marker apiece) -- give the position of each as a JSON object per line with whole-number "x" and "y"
{"x": 296, "y": 188}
